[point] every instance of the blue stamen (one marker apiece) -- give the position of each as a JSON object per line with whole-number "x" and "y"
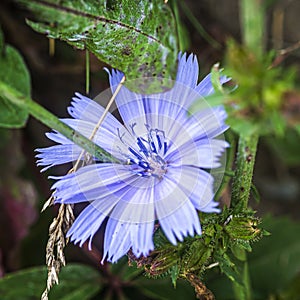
{"x": 144, "y": 165}
{"x": 135, "y": 153}
{"x": 159, "y": 141}
{"x": 165, "y": 148}
{"x": 142, "y": 146}
{"x": 153, "y": 148}
{"x": 148, "y": 156}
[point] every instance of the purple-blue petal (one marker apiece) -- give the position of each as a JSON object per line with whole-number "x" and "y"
{"x": 175, "y": 212}
{"x": 57, "y": 155}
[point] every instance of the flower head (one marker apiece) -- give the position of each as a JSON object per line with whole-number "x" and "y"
{"x": 164, "y": 155}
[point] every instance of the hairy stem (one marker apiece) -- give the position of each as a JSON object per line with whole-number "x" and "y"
{"x": 242, "y": 182}
{"x": 252, "y": 23}
{"x": 53, "y": 122}
{"x": 229, "y": 163}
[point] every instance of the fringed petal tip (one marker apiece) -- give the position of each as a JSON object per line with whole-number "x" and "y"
{"x": 212, "y": 207}
{"x": 187, "y": 70}
{"x": 115, "y": 76}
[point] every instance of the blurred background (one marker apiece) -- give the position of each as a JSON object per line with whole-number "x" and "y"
{"x": 206, "y": 26}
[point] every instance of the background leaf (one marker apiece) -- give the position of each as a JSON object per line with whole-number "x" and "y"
{"x": 273, "y": 263}
{"x": 77, "y": 282}
{"x": 136, "y": 37}
{"x": 286, "y": 147}
{"x": 13, "y": 72}
{"x": 163, "y": 289}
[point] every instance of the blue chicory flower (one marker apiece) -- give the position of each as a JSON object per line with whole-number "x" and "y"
{"x": 165, "y": 157}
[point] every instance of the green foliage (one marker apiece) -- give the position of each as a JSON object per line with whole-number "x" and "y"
{"x": 136, "y": 37}
{"x": 224, "y": 237}
{"x": 162, "y": 289}
{"x": 273, "y": 264}
{"x": 14, "y": 73}
{"x": 278, "y": 255}
{"x": 286, "y": 147}
{"x": 77, "y": 282}
{"x": 218, "y": 97}
{"x": 259, "y": 104}
{"x": 182, "y": 32}
{"x": 256, "y": 105}
{"x": 141, "y": 286}
{"x": 292, "y": 291}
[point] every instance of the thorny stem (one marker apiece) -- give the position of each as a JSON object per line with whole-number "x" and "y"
{"x": 241, "y": 188}
{"x": 242, "y": 182}
{"x": 229, "y": 163}
{"x": 252, "y": 24}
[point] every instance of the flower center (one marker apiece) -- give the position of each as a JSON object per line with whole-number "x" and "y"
{"x": 148, "y": 153}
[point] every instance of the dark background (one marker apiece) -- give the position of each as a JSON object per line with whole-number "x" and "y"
{"x": 23, "y": 189}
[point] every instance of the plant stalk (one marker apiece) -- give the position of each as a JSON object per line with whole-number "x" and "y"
{"x": 50, "y": 120}
{"x": 245, "y": 160}
{"x": 247, "y": 146}
{"x": 252, "y": 23}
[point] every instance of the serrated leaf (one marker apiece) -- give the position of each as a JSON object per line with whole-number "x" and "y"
{"x": 136, "y": 37}
{"x": 77, "y": 282}
{"x": 174, "y": 274}
{"x": 228, "y": 267}
{"x": 14, "y": 73}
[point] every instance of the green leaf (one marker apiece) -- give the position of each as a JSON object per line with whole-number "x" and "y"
{"x": 277, "y": 254}
{"x": 292, "y": 291}
{"x": 162, "y": 289}
{"x": 228, "y": 267}
{"x": 215, "y": 78}
{"x": 13, "y": 72}
{"x": 77, "y": 282}
{"x": 125, "y": 271}
{"x": 286, "y": 147}
{"x": 137, "y": 37}
{"x": 297, "y": 128}
{"x": 25, "y": 284}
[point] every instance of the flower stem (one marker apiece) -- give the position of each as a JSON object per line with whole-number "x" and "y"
{"x": 242, "y": 182}
{"x": 252, "y": 22}
{"x": 229, "y": 136}
{"x": 53, "y": 122}
{"x": 241, "y": 187}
